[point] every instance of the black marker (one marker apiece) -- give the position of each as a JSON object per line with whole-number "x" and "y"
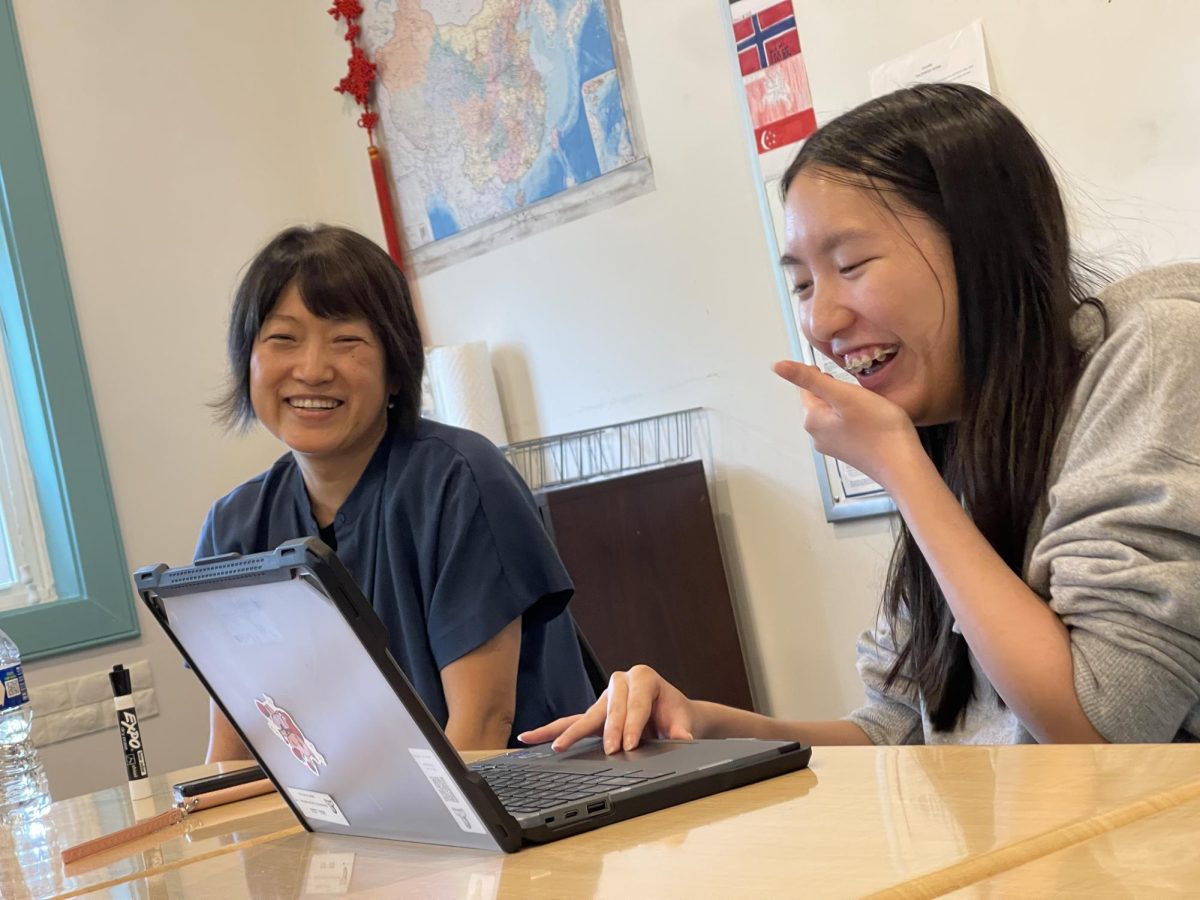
{"x": 131, "y": 734}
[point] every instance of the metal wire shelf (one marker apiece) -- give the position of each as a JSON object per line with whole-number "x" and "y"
{"x": 610, "y": 450}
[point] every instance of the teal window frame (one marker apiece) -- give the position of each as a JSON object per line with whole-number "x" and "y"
{"x": 95, "y": 601}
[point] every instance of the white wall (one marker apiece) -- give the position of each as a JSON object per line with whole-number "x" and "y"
{"x": 170, "y": 155}
{"x": 1110, "y": 87}
{"x": 180, "y": 136}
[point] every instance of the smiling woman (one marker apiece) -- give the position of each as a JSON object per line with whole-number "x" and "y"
{"x": 435, "y": 526}
{"x": 320, "y": 385}
{"x": 1040, "y": 445}
{"x": 875, "y": 288}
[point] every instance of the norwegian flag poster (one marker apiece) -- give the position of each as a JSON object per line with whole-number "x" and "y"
{"x": 773, "y": 73}
{"x": 766, "y": 37}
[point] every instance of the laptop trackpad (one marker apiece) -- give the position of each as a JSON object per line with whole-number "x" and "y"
{"x": 654, "y": 757}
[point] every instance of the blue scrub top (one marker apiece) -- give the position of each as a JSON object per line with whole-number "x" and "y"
{"x": 444, "y": 538}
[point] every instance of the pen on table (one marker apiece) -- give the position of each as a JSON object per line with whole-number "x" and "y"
{"x": 131, "y": 733}
{"x": 172, "y": 816}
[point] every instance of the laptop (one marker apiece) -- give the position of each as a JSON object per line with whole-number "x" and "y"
{"x": 296, "y": 658}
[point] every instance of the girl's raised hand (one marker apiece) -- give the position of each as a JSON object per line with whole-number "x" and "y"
{"x": 851, "y": 423}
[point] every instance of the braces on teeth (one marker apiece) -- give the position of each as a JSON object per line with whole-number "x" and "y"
{"x": 860, "y": 362}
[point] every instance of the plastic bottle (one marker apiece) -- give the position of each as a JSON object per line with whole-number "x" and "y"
{"x": 24, "y": 793}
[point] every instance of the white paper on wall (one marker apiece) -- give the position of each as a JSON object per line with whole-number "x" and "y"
{"x": 960, "y": 57}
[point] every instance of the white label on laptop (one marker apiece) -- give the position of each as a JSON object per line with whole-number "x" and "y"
{"x": 462, "y": 811}
{"x": 316, "y": 805}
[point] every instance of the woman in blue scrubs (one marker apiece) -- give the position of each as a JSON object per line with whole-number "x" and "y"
{"x": 435, "y": 526}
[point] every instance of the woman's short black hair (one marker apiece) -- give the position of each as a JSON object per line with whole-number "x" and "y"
{"x": 340, "y": 275}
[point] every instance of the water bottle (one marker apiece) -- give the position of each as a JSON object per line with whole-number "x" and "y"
{"x": 24, "y": 793}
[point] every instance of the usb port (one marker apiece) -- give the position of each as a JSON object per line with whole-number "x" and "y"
{"x": 571, "y": 814}
{"x": 596, "y": 807}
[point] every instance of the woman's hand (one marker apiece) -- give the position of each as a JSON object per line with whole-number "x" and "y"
{"x": 851, "y": 423}
{"x": 638, "y": 704}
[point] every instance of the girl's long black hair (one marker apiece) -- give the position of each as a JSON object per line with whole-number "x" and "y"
{"x": 960, "y": 157}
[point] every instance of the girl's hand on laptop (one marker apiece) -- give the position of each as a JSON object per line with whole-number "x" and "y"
{"x": 637, "y": 704}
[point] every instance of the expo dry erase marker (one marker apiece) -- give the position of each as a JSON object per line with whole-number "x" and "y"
{"x": 131, "y": 733}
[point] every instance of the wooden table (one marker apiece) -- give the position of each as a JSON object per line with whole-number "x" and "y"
{"x": 30, "y": 863}
{"x": 908, "y": 822}
{"x": 1158, "y": 856}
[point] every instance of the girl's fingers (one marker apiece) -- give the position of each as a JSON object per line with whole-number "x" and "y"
{"x": 798, "y": 373}
{"x": 644, "y": 694}
{"x": 614, "y": 726}
{"x": 677, "y": 731}
{"x": 591, "y": 722}
{"x": 549, "y": 731}
{"x": 813, "y": 380}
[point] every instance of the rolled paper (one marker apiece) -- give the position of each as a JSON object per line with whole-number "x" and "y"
{"x": 464, "y": 390}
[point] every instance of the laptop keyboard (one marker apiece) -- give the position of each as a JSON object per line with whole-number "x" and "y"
{"x": 525, "y": 790}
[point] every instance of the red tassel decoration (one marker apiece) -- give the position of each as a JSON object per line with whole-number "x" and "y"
{"x": 384, "y": 193}
{"x": 360, "y": 75}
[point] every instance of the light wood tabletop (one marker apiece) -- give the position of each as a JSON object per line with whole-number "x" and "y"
{"x": 30, "y": 856}
{"x": 906, "y": 821}
{"x": 1158, "y": 856}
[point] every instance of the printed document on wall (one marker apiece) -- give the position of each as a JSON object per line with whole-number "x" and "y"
{"x": 960, "y": 57}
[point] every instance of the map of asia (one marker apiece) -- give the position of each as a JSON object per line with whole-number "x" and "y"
{"x": 488, "y": 107}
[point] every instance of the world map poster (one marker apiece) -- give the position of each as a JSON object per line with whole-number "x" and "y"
{"x": 500, "y": 117}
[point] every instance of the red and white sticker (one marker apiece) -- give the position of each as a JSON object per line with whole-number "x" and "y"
{"x": 460, "y": 810}
{"x": 284, "y": 727}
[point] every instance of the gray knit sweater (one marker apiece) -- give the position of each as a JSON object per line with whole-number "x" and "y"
{"x": 1115, "y": 548}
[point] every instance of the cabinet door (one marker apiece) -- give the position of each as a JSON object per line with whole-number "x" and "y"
{"x": 650, "y": 586}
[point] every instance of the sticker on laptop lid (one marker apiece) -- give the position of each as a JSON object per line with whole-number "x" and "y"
{"x": 284, "y": 727}
{"x": 453, "y": 799}
{"x": 316, "y": 805}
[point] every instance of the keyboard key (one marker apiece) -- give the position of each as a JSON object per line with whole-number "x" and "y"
{"x": 525, "y": 790}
